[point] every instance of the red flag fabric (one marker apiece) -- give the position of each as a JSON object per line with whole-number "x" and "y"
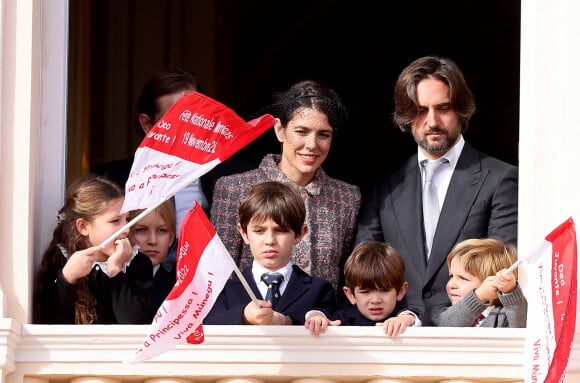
{"x": 203, "y": 267}
{"x": 551, "y": 306}
{"x": 195, "y": 135}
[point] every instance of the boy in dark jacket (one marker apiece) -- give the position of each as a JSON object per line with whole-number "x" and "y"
{"x": 272, "y": 222}
{"x": 375, "y": 286}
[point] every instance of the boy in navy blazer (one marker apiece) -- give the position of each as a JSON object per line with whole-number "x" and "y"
{"x": 375, "y": 286}
{"x": 271, "y": 223}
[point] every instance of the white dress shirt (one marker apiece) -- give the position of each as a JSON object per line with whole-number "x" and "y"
{"x": 184, "y": 201}
{"x": 485, "y": 314}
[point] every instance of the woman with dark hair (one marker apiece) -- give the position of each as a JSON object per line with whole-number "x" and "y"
{"x": 308, "y": 116}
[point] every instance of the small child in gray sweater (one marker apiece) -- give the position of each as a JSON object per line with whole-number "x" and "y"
{"x": 480, "y": 291}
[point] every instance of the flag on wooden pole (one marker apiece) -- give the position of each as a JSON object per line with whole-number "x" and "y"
{"x": 195, "y": 135}
{"x": 203, "y": 267}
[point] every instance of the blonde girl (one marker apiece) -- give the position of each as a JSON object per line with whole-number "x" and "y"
{"x": 155, "y": 234}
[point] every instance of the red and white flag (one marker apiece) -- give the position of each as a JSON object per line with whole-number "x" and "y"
{"x": 551, "y": 306}
{"x": 203, "y": 268}
{"x": 195, "y": 135}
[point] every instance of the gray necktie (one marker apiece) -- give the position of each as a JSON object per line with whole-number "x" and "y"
{"x": 431, "y": 205}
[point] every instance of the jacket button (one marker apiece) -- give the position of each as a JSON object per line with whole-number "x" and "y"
{"x": 428, "y": 294}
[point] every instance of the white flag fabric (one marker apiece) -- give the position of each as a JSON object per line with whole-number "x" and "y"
{"x": 195, "y": 135}
{"x": 203, "y": 267}
{"x": 551, "y": 306}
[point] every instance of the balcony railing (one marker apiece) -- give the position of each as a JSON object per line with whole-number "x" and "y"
{"x": 48, "y": 353}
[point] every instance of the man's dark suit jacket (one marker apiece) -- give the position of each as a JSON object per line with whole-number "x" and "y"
{"x": 481, "y": 202}
{"x": 303, "y": 293}
{"x": 351, "y": 316}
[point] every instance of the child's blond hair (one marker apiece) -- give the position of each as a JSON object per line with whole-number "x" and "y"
{"x": 483, "y": 257}
{"x": 166, "y": 211}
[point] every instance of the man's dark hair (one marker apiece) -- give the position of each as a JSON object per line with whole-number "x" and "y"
{"x": 162, "y": 84}
{"x": 439, "y": 68}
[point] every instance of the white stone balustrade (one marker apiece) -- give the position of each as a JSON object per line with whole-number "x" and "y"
{"x": 262, "y": 354}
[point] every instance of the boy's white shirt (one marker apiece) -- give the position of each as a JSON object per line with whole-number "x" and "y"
{"x": 184, "y": 201}
{"x": 258, "y": 270}
{"x": 485, "y": 313}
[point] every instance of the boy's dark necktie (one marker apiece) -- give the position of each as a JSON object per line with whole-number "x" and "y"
{"x": 273, "y": 281}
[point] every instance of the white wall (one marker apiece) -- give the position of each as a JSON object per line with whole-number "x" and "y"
{"x": 19, "y": 146}
{"x": 32, "y": 148}
{"x": 549, "y": 182}
{"x": 50, "y": 190}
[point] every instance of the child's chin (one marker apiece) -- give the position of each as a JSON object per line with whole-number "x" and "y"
{"x": 377, "y": 318}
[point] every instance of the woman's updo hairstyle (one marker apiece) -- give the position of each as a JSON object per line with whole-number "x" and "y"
{"x": 312, "y": 95}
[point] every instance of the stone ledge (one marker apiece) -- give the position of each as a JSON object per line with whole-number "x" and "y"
{"x": 271, "y": 353}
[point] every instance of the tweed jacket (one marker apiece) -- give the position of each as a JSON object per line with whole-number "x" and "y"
{"x": 512, "y": 313}
{"x": 331, "y": 216}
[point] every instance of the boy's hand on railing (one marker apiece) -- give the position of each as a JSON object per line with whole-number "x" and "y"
{"x": 317, "y": 323}
{"x": 281, "y": 319}
{"x": 397, "y": 325}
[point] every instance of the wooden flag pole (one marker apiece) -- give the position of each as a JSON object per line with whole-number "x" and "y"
{"x": 246, "y": 286}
